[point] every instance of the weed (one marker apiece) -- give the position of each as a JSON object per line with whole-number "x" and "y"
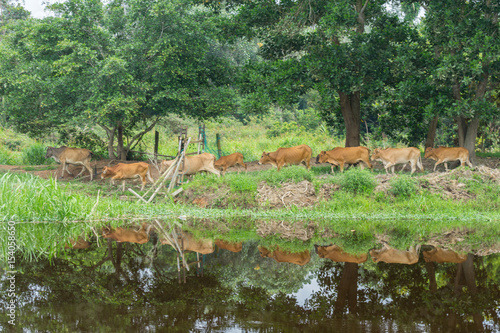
{"x": 403, "y": 186}
{"x": 357, "y": 181}
{"x": 34, "y": 154}
{"x": 294, "y": 173}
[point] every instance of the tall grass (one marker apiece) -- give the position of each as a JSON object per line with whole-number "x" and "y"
{"x": 34, "y": 154}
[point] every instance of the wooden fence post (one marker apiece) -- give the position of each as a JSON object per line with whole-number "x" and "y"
{"x": 217, "y": 138}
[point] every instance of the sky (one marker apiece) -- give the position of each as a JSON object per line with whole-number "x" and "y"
{"x": 36, "y": 7}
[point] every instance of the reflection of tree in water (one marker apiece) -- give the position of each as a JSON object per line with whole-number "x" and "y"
{"x": 91, "y": 290}
{"x": 248, "y": 268}
{"x": 407, "y": 294}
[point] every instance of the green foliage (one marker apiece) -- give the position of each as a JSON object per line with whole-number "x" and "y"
{"x": 357, "y": 181}
{"x": 293, "y": 173}
{"x": 6, "y": 157}
{"x": 35, "y": 154}
{"x": 241, "y": 183}
{"x": 290, "y": 128}
{"x": 83, "y": 139}
{"x": 403, "y": 186}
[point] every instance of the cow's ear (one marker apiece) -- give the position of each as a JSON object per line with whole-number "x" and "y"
{"x": 268, "y": 154}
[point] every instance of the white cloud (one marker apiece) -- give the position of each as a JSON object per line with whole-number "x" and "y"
{"x": 37, "y": 7}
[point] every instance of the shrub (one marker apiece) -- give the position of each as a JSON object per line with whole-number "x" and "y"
{"x": 34, "y": 154}
{"x": 403, "y": 186}
{"x": 356, "y": 180}
{"x": 241, "y": 183}
{"x": 294, "y": 173}
{"x": 6, "y": 157}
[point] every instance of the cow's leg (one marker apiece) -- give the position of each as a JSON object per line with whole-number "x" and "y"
{"x": 469, "y": 163}
{"x": 123, "y": 185}
{"x": 143, "y": 179}
{"x": 341, "y": 166}
{"x": 390, "y": 165}
{"x": 224, "y": 169}
{"x": 446, "y": 165}
{"x": 308, "y": 164}
{"x": 413, "y": 167}
{"x": 83, "y": 169}
{"x": 438, "y": 162}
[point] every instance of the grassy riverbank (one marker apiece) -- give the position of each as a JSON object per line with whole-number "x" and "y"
{"x": 356, "y": 210}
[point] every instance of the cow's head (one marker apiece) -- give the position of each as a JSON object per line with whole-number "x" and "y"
{"x": 429, "y": 152}
{"x": 376, "y": 154}
{"x": 321, "y": 157}
{"x": 106, "y": 173}
{"x": 264, "y": 253}
{"x": 164, "y": 165}
{"x": 264, "y": 158}
{"x": 50, "y": 152}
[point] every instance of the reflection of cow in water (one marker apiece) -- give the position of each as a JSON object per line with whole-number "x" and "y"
{"x": 129, "y": 235}
{"x": 335, "y": 253}
{"x": 230, "y": 246}
{"x": 189, "y": 243}
{"x": 80, "y": 243}
{"x": 300, "y": 258}
{"x": 394, "y": 256}
{"x": 439, "y": 255}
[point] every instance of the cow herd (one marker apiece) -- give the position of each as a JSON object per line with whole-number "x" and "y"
{"x": 188, "y": 242}
{"x": 337, "y": 157}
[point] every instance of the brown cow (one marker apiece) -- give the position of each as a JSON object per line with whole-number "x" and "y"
{"x": 66, "y": 155}
{"x": 440, "y": 256}
{"x": 445, "y": 154}
{"x": 128, "y": 171}
{"x": 193, "y": 164}
{"x": 80, "y": 243}
{"x": 335, "y": 253}
{"x": 129, "y": 235}
{"x": 230, "y": 246}
{"x": 393, "y": 156}
{"x": 394, "y": 256}
{"x": 228, "y": 161}
{"x": 300, "y": 258}
{"x": 348, "y": 155}
{"x": 189, "y": 243}
{"x": 291, "y": 156}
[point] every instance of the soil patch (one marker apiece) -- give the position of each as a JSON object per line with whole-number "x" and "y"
{"x": 288, "y": 194}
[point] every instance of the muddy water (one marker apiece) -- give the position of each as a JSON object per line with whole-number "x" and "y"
{"x": 124, "y": 287}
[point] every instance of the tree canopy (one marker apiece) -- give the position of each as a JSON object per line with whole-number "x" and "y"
{"x": 388, "y": 67}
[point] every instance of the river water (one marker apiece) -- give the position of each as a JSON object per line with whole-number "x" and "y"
{"x": 126, "y": 287}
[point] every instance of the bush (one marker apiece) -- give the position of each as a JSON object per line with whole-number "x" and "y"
{"x": 356, "y": 181}
{"x": 293, "y": 173}
{"x": 241, "y": 183}
{"x": 403, "y": 186}
{"x": 6, "y": 157}
{"x": 34, "y": 155}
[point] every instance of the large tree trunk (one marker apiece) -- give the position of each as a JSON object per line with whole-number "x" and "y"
{"x": 470, "y": 139}
{"x": 350, "y": 105}
{"x": 347, "y": 289}
{"x": 431, "y": 134}
{"x": 110, "y": 132}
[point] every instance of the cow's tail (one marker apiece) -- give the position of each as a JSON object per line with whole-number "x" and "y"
{"x": 148, "y": 175}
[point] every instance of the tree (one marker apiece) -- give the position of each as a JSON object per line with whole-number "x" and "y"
{"x": 465, "y": 37}
{"x": 121, "y": 66}
{"x": 340, "y": 48}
